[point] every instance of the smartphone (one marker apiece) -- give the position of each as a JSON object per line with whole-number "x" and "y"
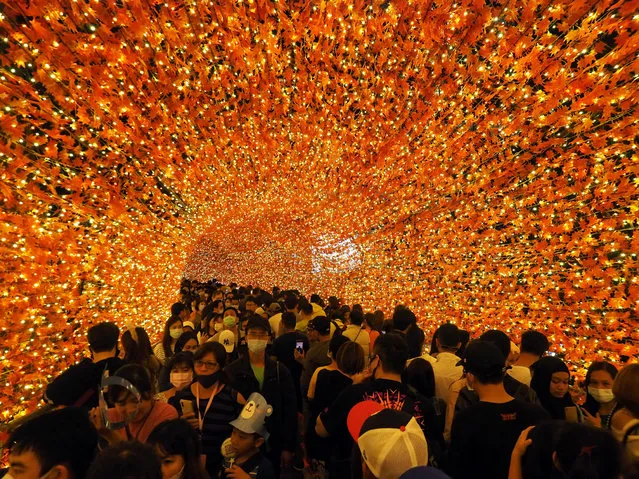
{"x": 187, "y": 406}
{"x": 299, "y": 345}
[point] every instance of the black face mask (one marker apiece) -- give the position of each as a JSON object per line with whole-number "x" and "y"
{"x": 208, "y": 380}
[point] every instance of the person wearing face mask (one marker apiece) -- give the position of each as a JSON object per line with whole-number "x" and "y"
{"x": 172, "y": 331}
{"x": 210, "y": 403}
{"x": 384, "y": 385}
{"x": 600, "y": 403}
{"x": 181, "y": 374}
{"x": 256, "y": 372}
{"x": 178, "y": 448}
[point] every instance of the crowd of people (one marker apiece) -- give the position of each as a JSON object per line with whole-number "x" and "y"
{"x": 245, "y": 383}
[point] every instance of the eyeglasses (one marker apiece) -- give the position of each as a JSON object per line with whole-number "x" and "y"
{"x": 205, "y": 364}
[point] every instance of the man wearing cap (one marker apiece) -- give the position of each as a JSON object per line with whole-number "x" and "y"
{"x": 460, "y": 397}
{"x": 390, "y": 442}
{"x": 387, "y": 362}
{"x": 483, "y": 436}
{"x": 256, "y": 372}
{"x": 319, "y": 335}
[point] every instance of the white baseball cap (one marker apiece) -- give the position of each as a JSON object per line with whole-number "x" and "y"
{"x": 391, "y": 442}
{"x": 227, "y": 339}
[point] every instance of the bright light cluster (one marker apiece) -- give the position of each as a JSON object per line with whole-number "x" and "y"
{"x": 475, "y": 160}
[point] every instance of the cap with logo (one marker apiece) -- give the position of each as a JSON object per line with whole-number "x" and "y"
{"x": 391, "y": 442}
{"x": 227, "y": 339}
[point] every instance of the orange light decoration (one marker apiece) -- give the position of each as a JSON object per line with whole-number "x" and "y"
{"x": 475, "y": 160}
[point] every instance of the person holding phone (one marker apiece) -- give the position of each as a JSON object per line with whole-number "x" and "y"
{"x": 285, "y": 348}
{"x": 209, "y": 404}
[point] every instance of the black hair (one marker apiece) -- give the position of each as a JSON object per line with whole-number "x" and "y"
{"x": 218, "y": 352}
{"x": 402, "y": 318}
{"x": 350, "y": 358}
{"x": 136, "y": 350}
{"x": 290, "y": 302}
{"x": 392, "y": 350}
{"x": 336, "y": 342}
{"x": 61, "y": 437}
{"x": 357, "y": 317}
{"x": 126, "y": 460}
{"x": 419, "y": 374}
{"x": 534, "y": 342}
{"x": 166, "y": 338}
{"x": 177, "y": 437}
{"x": 183, "y": 357}
{"x": 448, "y": 336}
{"x": 183, "y": 339}
{"x": 103, "y": 337}
{"x": 584, "y": 452}
{"x": 137, "y": 375}
{"x": 253, "y": 299}
{"x": 464, "y": 338}
{"x": 591, "y": 405}
{"x": 305, "y": 307}
{"x": 289, "y": 320}
{"x": 316, "y": 298}
{"x": 499, "y": 339}
{"x": 378, "y": 321}
{"x": 230, "y": 308}
{"x": 177, "y": 309}
{"x": 216, "y": 303}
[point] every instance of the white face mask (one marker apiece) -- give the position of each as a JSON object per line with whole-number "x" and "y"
{"x": 179, "y": 475}
{"x": 602, "y": 396}
{"x": 218, "y": 327}
{"x": 256, "y": 345}
{"x": 176, "y": 333}
{"x": 181, "y": 380}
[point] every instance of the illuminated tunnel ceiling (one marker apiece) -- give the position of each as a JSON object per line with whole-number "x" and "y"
{"x": 475, "y": 160}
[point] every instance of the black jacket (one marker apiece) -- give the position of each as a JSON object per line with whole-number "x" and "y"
{"x": 279, "y": 392}
{"x": 80, "y": 384}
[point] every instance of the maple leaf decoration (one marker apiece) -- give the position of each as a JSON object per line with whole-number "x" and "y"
{"x": 475, "y": 161}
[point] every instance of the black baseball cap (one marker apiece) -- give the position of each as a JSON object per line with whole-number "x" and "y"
{"x": 321, "y": 324}
{"x": 483, "y": 357}
{"x": 257, "y": 322}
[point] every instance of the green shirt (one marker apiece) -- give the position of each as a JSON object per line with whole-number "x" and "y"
{"x": 259, "y": 374}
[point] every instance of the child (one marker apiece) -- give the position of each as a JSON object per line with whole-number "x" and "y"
{"x": 249, "y": 434}
{"x": 177, "y": 445}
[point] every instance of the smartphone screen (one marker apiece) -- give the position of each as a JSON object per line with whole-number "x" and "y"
{"x": 299, "y": 345}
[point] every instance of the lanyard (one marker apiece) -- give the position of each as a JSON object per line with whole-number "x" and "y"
{"x": 128, "y": 431}
{"x": 208, "y": 405}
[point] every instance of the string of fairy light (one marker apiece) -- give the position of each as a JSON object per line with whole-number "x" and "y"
{"x": 474, "y": 161}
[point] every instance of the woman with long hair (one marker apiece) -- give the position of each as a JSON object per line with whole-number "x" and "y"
{"x": 172, "y": 331}
{"x": 600, "y": 403}
{"x": 137, "y": 349}
{"x": 178, "y": 447}
{"x": 210, "y": 404}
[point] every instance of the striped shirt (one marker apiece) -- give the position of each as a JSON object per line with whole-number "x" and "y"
{"x": 224, "y": 409}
